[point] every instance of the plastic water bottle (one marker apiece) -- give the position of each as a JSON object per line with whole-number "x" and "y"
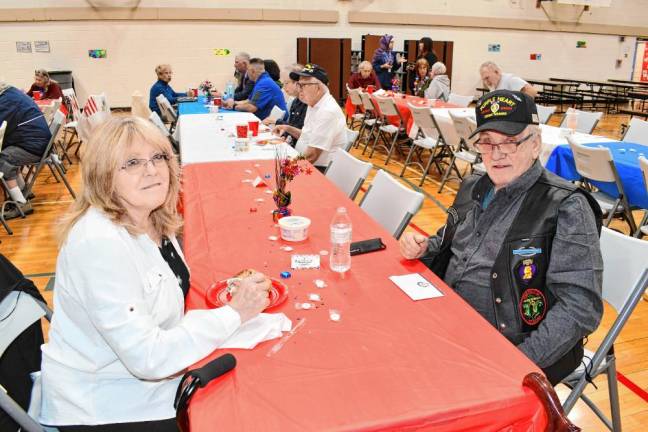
{"x": 340, "y": 257}
{"x": 229, "y": 90}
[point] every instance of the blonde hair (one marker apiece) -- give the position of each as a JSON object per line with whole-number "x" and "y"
{"x": 102, "y": 159}
{"x": 160, "y": 68}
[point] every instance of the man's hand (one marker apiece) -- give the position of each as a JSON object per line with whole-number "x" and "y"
{"x": 279, "y": 130}
{"x": 229, "y": 103}
{"x": 251, "y": 296}
{"x": 413, "y": 246}
{"x": 268, "y": 121}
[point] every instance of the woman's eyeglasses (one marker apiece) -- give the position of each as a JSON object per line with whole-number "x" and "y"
{"x": 137, "y": 166}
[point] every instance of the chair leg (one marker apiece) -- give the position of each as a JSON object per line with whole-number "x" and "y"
{"x": 371, "y": 131}
{"x": 447, "y": 172}
{"x": 613, "y": 387}
{"x": 644, "y": 221}
{"x": 65, "y": 180}
{"x": 373, "y": 147}
{"x": 407, "y": 161}
{"x": 356, "y": 143}
{"x": 427, "y": 167}
{"x": 391, "y": 148}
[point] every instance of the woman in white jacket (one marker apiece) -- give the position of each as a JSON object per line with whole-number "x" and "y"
{"x": 120, "y": 339}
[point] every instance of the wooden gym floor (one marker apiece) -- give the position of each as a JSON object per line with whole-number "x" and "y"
{"x": 33, "y": 249}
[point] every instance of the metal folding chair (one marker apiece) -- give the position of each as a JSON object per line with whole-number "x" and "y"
{"x": 545, "y": 112}
{"x": 356, "y": 101}
{"x": 347, "y": 172}
{"x": 586, "y": 122}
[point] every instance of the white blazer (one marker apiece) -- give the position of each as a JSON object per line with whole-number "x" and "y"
{"x": 119, "y": 338}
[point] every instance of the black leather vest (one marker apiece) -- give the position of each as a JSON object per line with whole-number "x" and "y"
{"x": 518, "y": 276}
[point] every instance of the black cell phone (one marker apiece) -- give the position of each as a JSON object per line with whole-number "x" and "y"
{"x": 366, "y": 246}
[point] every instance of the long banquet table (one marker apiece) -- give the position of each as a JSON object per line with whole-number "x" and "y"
{"x": 390, "y": 363}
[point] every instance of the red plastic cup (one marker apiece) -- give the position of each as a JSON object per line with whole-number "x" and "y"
{"x": 37, "y": 95}
{"x": 254, "y": 127}
{"x": 218, "y": 101}
{"x": 370, "y": 89}
{"x": 241, "y": 130}
{"x": 195, "y": 92}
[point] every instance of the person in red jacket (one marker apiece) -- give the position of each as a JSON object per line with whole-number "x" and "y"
{"x": 48, "y": 87}
{"x": 364, "y": 77}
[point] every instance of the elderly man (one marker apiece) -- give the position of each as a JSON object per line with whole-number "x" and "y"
{"x": 521, "y": 245}
{"x": 439, "y": 88}
{"x": 25, "y": 139}
{"x": 494, "y": 79}
{"x": 324, "y": 130}
{"x": 162, "y": 87}
{"x": 364, "y": 77}
{"x": 265, "y": 95}
{"x": 245, "y": 83}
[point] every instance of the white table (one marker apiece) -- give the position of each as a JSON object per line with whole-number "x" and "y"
{"x": 210, "y": 138}
{"x": 553, "y": 137}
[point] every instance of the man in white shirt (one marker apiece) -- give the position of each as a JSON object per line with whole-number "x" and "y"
{"x": 494, "y": 79}
{"x": 324, "y": 130}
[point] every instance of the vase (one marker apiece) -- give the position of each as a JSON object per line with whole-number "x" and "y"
{"x": 282, "y": 199}
{"x": 280, "y": 213}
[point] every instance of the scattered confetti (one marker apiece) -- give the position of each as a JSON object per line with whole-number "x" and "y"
{"x": 248, "y": 171}
{"x": 267, "y": 176}
{"x": 323, "y": 252}
{"x": 273, "y": 238}
{"x": 285, "y": 275}
{"x": 334, "y": 315}
{"x": 269, "y": 192}
{"x": 253, "y": 209}
{"x": 257, "y": 165}
{"x": 314, "y": 297}
{"x": 259, "y": 200}
{"x": 286, "y": 248}
{"x": 319, "y": 283}
{"x": 304, "y": 305}
{"x": 246, "y": 181}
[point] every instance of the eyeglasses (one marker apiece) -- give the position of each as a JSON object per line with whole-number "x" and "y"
{"x": 302, "y": 85}
{"x": 506, "y": 147}
{"x": 137, "y": 166}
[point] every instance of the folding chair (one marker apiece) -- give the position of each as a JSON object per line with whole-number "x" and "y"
{"x": 390, "y": 135}
{"x": 356, "y": 101}
{"x": 139, "y": 108}
{"x": 157, "y": 121}
{"x": 642, "y": 230}
{"x": 347, "y": 172}
{"x": 625, "y": 278}
{"x": 351, "y": 136}
{"x": 49, "y": 158}
{"x": 169, "y": 115}
{"x": 464, "y": 126}
{"x": 403, "y": 203}
{"x": 371, "y": 119}
{"x": 545, "y": 113}
{"x": 76, "y": 125}
{"x": 637, "y": 132}
{"x": 3, "y": 128}
{"x": 459, "y": 100}
{"x": 587, "y": 120}
{"x": 596, "y": 164}
{"x": 429, "y": 137}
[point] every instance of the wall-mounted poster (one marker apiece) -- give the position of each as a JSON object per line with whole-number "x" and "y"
{"x": 535, "y": 56}
{"x": 23, "y": 47}
{"x": 494, "y": 48}
{"x": 222, "y": 52}
{"x": 581, "y": 44}
{"x": 97, "y": 53}
{"x": 42, "y": 46}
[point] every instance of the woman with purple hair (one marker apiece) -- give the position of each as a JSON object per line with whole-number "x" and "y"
{"x": 385, "y": 62}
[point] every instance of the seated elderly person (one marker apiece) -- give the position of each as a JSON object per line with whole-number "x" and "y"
{"x": 120, "y": 338}
{"x": 25, "y": 140}
{"x": 265, "y": 95}
{"x": 520, "y": 244}
{"x": 364, "y": 77}
{"x": 296, "y": 108}
{"x": 48, "y": 88}
{"x": 324, "y": 130}
{"x": 494, "y": 79}
{"x": 244, "y": 84}
{"x": 439, "y": 88}
{"x": 162, "y": 87}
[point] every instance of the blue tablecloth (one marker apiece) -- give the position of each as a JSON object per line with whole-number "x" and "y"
{"x": 198, "y": 107}
{"x": 626, "y": 158}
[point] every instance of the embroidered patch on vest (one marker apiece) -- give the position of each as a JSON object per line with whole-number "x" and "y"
{"x": 525, "y": 271}
{"x": 533, "y": 306}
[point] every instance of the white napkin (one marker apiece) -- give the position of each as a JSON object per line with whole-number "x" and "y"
{"x": 261, "y": 328}
{"x": 379, "y": 92}
{"x": 276, "y": 113}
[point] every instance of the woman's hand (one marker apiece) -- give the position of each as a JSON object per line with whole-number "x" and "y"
{"x": 279, "y": 130}
{"x": 268, "y": 121}
{"x": 251, "y": 296}
{"x": 412, "y": 245}
{"x": 386, "y": 66}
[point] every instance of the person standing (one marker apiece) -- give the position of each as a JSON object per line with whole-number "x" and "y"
{"x": 385, "y": 63}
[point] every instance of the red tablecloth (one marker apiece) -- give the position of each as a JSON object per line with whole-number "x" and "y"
{"x": 389, "y": 364}
{"x": 401, "y": 104}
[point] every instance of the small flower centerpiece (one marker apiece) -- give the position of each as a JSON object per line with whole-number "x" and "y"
{"x": 286, "y": 169}
{"x": 205, "y": 87}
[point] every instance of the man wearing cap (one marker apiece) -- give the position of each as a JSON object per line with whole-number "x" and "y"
{"x": 494, "y": 79}
{"x": 520, "y": 244}
{"x": 265, "y": 95}
{"x": 324, "y": 130}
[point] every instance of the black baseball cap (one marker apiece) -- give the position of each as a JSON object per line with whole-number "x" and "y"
{"x": 311, "y": 70}
{"x": 505, "y": 111}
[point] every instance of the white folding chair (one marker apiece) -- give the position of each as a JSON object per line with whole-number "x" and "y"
{"x": 351, "y": 136}
{"x": 157, "y": 121}
{"x": 390, "y": 203}
{"x": 587, "y": 120}
{"x": 545, "y": 113}
{"x": 3, "y": 128}
{"x": 139, "y": 108}
{"x": 642, "y": 230}
{"x": 356, "y": 101}
{"x": 370, "y": 121}
{"x": 347, "y": 172}
{"x": 637, "y": 132}
{"x": 596, "y": 164}
{"x": 390, "y": 135}
{"x": 625, "y": 278}
{"x": 459, "y": 100}
{"x": 462, "y": 150}
{"x": 169, "y": 115}
{"x": 76, "y": 124}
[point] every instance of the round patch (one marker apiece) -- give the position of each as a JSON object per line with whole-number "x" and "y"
{"x": 526, "y": 270}
{"x": 533, "y": 306}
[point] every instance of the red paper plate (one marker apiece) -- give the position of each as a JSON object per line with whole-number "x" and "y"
{"x": 218, "y": 296}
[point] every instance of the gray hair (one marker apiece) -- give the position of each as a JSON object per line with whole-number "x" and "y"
{"x": 295, "y": 67}
{"x": 365, "y": 63}
{"x": 490, "y": 65}
{"x": 439, "y": 68}
{"x": 244, "y": 56}
{"x": 161, "y": 67}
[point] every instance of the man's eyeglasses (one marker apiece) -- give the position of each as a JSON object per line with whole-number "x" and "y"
{"x": 506, "y": 147}
{"x": 301, "y": 86}
{"x": 137, "y": 166}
